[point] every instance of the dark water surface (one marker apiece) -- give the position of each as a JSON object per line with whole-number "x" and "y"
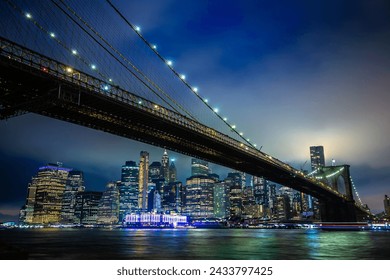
{"x": 123, "y": 244}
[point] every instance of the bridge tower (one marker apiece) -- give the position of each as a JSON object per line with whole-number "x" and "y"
{"x": 339, "y": 178}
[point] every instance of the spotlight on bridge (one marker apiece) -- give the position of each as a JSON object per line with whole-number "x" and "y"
{"x": 137, "y": 28}
{"x": 74, "y": 52}
{"x": 154, "y": 47}
{"x": 233, "y": 126}
{"x": 241, "y": 133}
{"x": 106, "y": 87}
{"x": 183, "y": 77}
{"x": 206, "y": 100}
{"x": 52, "y": 35}
{"x": 169, "y": 62}
{"x": 255, "y": 145}
{"x": 110, "y": 80}
{"x": 225, "y": 119}
{"x": 69, "y": 70}
{"x": 195, "y": 89}
{"x": 93, "y": 66}
{"x": 216, "y": 110}
{"x": 28, "y": 15}
{"x": 140, "y": 102}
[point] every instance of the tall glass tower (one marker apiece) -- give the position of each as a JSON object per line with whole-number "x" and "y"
{"x": 143, "y": 181}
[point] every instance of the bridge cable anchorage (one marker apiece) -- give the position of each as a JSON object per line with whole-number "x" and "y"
{"x": 194, "y": 90}
{"x": 122, "y": 56}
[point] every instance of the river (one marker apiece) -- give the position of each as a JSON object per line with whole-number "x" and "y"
{"x": 197, "y": 244}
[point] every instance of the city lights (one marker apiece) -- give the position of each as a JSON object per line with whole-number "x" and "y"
{"x": 93, "y": 66}
{"x": 74, "y": 52}
{"x": 169, "y": 62}
{"x": 52, "y": 35}
{"x": 183, "y": 77}
{"x": 28, "y": 15}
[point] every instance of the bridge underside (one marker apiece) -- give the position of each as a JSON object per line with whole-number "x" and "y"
{"x": 24, "y": 89}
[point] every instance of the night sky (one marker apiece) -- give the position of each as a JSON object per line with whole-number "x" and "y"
{"x": 291, "y": 74}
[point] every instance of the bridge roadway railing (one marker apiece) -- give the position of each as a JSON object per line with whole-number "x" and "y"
{"x": 65, "y": 72}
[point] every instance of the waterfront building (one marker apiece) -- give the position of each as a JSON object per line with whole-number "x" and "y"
{"x": 221, "y": 200}
{"x": 87, "y": 207}
{"x": 49, "y": 185}
{"x": 199, "y": 197}
{"x": 143, "y": 180}
{"x": 74, "y": 185}
{"x": 199, "y": 167}
{"x": 250, "y": 209}
{"x": 128, "y": 189}
{"x": 27, "y": 212}
{"x": 108, "y": 212}
{"x": 235, "y": 181}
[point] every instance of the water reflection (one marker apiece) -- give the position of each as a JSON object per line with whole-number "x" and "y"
{"x": 193, "y": 244}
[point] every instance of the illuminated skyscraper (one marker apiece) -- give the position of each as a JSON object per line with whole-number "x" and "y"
{"x": 199, "y": 193}
{"x": 143, "y": 181}
{"x": 87, "y": 207}
{"x": 155, "y": 171}
{"x": 317, "y": 157}
{"x": 108, "y": 211}
{"x": 74, "y": 185}
{"x": 128, "y": 189}
{"x": 172, "y": 172}
{"x": 221, "y": 200}
{"x": 235, "y": 182}
{"x": 199, "y": 167}
{"x": 50, "y": 184}
{"x": 165, "y": 166}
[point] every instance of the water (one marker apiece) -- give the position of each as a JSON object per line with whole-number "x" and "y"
{"x": 123, "y": 244}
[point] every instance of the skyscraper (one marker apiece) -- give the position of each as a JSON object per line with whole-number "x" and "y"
{"x": 199, "y": 192}
{"x": 165, "y": 166}
{"x": 317, "y": 157}
{"x": 235, "y": 182}
{"x": 74, "y": 185}
{"x": 221, "y": 200}
{"x": 199, "y": 167}
{"x": 143, "y": 181}
{"x": 172, "y": 172}
{"x": 128, "y": 189}
{"x": 50, "y": 184}
{"x": 87, "y": 207}
{"x": 155, "y": 171}
{"x": 108, "y": 211}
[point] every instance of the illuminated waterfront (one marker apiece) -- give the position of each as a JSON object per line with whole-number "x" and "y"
{"x": 192, "y": 244}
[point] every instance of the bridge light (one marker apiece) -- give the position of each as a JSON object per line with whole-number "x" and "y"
{"x": 74, "y": 52}
{"x": 225, "y": 119}
{"x": 52, "y": 35}
{"x": 216, "y": 110}
{"x": 93, "y": 66}
{"x": 106, "y": 87}
{"x": 28, "y": 15}
{"x": 154, "y": 47}
{"x": 69, "y": 70}
{"x": 195, "y": 89}
{"x": 137, "y": 28}
{"x": 110, "y": 80}
{"x": 183, "y": 77}
{"x": 140, "y": 102}
{"x": 241, "y": 133}
{"x": 255, "y": 145}
{"x": 234, "y": 126}
{"x": 169, "y": 62}
{"x": 248, "y": 140}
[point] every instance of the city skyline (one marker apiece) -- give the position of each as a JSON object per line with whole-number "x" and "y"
{"x": 322, "y": 74}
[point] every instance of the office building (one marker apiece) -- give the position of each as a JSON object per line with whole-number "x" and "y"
{"x": 317, "y": 157}
{"x": 108, "y": 212}
{"x": 199, "y": 193}
{"x": 128, "y": 189}
{"x": 221, "y": 200}
{"x": 199, "y": 167}
{"x": 74, "y": 185}
{"x": 386, "y": 203}
{"x": 165, "y": 166}
{"x": 235, "y": 182}
{"x": 49, "y": 185}
{"x": 143, "y": 180}
{"x": 87, "y": 207}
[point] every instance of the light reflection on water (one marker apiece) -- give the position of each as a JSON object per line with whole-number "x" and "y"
{"x": 192, "y": 244}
